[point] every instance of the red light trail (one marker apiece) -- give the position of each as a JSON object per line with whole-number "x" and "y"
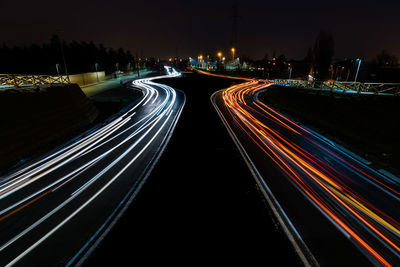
{"x": 359, "y": 201}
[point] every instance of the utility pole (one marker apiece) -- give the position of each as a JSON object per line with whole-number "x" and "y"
{"x": 235, "y": 25}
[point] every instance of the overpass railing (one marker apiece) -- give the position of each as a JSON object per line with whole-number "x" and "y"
{"x": 349, "y": 87}
{"x": 18, "y": 80}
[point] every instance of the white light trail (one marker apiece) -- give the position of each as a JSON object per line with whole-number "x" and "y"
{"x": 162, "y": 97}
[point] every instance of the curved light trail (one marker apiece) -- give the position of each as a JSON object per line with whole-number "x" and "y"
{"x": 361, "y": 202}
{"x": 73, "y": 195}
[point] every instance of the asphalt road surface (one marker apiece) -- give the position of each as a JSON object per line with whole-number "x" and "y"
{"x": 193, "y": 211}
{"x": 55, "y": 210}
{"x": 335, "y": 209}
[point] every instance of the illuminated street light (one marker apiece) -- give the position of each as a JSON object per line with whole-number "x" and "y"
{"x": 219, "y": 55}
{"x": 233, "y": 50}
{"x": 290, "y": 70}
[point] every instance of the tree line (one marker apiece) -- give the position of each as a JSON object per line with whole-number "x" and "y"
{"x": 320, "y": 64}
{"x": 58, "y": 57}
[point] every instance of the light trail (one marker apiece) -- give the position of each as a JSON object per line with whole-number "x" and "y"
{"x": 359, "y": 201}
{"x": 117, "y": 153}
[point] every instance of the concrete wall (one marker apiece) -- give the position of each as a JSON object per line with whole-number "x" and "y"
{"x": 87, "y": 78}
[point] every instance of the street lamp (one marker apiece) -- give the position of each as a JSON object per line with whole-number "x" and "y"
{"x": 233, "y": 50}
{"x": 62, "y": 52}
{"x": 96, "y": 65}
{"x": 219, "y": 55}
{"x": 200, "y": 59}
{"x": 290, "y": 71}
{"x": 58, "y": 69}
{"x": 358, "y": 69}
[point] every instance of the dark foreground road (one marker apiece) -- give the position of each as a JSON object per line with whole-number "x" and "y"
{"x": 336, "y": 210}
{"x": 55, "y": 210}
{"x": 200, "y": 206}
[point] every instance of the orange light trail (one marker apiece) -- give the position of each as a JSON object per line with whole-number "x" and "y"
{"x": 345, "y": 190}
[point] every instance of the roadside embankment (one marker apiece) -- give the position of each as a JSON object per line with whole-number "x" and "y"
{"x": 34, "y": 120}
{"x": 368, "y": 124}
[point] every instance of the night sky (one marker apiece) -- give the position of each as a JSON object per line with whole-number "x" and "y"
{"x": 361, "y": 28}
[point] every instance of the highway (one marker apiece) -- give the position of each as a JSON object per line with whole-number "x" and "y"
{"x": 56, "y": 209}
{"x": 335, "y": 209}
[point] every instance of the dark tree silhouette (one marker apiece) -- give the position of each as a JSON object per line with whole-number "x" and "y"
{"x": 386, "y": 59}
{"x": 323, "y": 54}
{"x": 79, "y": 56}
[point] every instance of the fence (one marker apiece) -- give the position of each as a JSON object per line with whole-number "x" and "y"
{"x": 350, "y": 87}
{"x": 82, "y": 79}
{"x": 31, "y": 80}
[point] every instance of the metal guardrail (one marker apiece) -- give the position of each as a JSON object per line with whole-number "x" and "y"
{"x": 296, "y": 83}
{"x": 353, "y": 87}
{"x": 18, "y": 80}
{"x": 377, "y": 88}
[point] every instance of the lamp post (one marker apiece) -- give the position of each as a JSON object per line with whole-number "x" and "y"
{"x": 358, "y": 69}
{"x": 233, "y": 50}
{"x": 200, "y": 59}
{"x": 62, "y": 52}
{"x": 290, "y": 71}
{"x": 219, "y": 63}
{"x": 96, "y": 65}
{"x": 58, "y": 69}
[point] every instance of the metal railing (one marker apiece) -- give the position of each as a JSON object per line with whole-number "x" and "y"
{"x": 18, "y": 80}
{"x": 376, "y": 88}
{"x": 350, "y": 87}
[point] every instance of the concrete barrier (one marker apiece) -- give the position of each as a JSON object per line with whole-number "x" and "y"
{"x": 87, "y": 78}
